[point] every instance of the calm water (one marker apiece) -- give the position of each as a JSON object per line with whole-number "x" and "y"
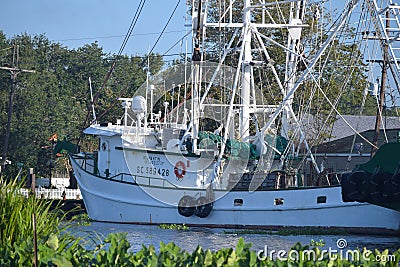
{"x": 215, "y": 239}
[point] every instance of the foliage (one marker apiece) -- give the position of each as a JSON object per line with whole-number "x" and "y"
{"x": 249, "y": 232}
{"x": 319, "y": 243}
{"x": 16, "y": 215}
{"x": 114, "y": 251}
{"x": 81, "y": 219}
{"x": 56, "y": 98}
{"x": 16, "y": 226}
{"x": 174, "y": 226}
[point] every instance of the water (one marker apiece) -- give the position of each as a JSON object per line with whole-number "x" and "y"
{"x": 215, "y": 239}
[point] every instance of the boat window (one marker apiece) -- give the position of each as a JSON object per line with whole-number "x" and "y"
{"x": 321, "y": 199}
{"x": 238, "y": 202}
{"x": 278, "y": 201}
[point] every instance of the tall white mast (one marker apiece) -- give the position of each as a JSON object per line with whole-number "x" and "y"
{"x": 246, "y": 70}
{"x": 296, "y": 10}
{"x": 196, "y": 73}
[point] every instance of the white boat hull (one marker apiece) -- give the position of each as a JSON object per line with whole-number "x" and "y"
{"x": 126, "y": 202}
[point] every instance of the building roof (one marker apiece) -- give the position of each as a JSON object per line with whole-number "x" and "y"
{"x": 342, "y": 136}
{"x": 360, "y": 124}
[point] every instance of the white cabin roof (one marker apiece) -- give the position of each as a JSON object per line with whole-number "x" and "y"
{"x": 109, "y": 130}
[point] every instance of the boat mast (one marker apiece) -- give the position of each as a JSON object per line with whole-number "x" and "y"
{"x": 196, "y": 58}
{"x": 341, "y": 21}
{"x": 292, "y": 52}
{"x": 244, "y": 123}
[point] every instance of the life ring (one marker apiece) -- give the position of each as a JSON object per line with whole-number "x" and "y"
{"x": 203, "y": 207}
{"x": 180, "y": 170}
{"x": 186, "y": 206}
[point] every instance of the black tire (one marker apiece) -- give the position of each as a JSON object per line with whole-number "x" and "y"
{"x": 187, "y": 206}
{"x": 203, "y": 207}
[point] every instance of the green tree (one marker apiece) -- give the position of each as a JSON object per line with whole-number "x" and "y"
{"x": 56, "y": 98}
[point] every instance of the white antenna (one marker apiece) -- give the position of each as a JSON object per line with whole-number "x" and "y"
{"x": 91, "y": 100}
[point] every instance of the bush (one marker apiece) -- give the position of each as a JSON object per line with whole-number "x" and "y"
{"x": 16, "y": 225}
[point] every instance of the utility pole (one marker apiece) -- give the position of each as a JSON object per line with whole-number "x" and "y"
{"x": 385, "y": 65}
{"x": 14, "y": 71}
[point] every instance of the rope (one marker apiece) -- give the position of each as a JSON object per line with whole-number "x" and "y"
{"x": 162, "y": 32}
{"x": 110, "y": 71}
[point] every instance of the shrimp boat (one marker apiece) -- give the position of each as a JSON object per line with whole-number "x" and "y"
{"x": 207, "y": 144}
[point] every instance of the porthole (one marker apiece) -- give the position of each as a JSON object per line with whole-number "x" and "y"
{"x": 104, "y": 146}
{"x": 321, "y": 199}
{"x": 238, "y": 202}
{"x": 278, "y": 201}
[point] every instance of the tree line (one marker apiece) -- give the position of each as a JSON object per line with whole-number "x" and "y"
{"x": 56, "y": 97}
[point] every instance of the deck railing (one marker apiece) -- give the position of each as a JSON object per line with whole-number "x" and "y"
{"x": 123, "y": 177}
{"x": 57, "y": 193}
{"x": 143, "y": 180}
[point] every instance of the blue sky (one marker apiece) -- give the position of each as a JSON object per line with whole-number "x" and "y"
{"x": 77, "y": 22}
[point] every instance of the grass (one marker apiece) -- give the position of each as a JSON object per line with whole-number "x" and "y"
{"x": 17, "y": 245}
{"x": 16, "y": 215}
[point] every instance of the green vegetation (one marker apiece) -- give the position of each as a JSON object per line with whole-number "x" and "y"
{"x": 174, "y": 226}
{"x": 81, "y": 219}
{"x": 17, "y": 228}
{"x": 56, "y": 98}
{"x": 319, "y": 243}
{"x": 16, "y": 215}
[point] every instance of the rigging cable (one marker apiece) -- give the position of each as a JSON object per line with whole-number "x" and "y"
{"x": 162, "y": 32}
{"x": 334, "y": 105}
{"x": 125, "y": 41}
{"x": 175, "y": 44}
{"x": 110, "y": 71}
{"x": 147, "y": 57}
{"x": 366, "y": 51}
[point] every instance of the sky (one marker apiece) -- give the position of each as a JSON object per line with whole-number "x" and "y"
{"x": 74, "y": 23}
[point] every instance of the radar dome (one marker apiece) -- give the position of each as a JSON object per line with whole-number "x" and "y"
{"x": 139, "y": 104}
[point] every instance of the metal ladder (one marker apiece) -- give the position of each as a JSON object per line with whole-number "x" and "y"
{"x": 388, "y": 35}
